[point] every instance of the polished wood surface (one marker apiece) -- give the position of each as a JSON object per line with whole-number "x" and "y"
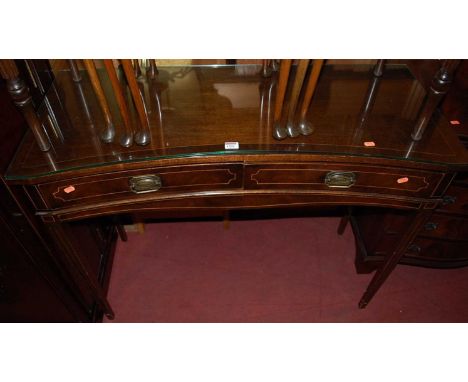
{"x": 204, "y": 107}
{"x": 211, "y": 150}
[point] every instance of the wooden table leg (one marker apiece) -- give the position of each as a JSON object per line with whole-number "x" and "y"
{"x": 143, "y": 136}
{"x": 108, "y": 133}
{"x": 279, "y": 132}
{"x": 76, "y": 267}
{"x": 296, "y": 91}
{"x": 393, "y": 258}
{"x": 306, "y": 128}
{"x": 19, "y": 92}
{"x": 127, "y": 137}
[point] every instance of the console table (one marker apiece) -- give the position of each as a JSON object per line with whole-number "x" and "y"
{"x": 212, "y": 149}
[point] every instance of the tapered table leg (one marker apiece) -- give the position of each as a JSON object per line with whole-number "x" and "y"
{"x": 305, "y": 127}
{"x": 126, "y": 139}
{"x": 142, "y": 137}
{"x": 439, "y": 87}
{"x": 279, "y": 132}
{"x": 108, "y": 133}
{"x": 296, "y": 90}
{"x": 393, "y": 258}
{"x": 19, "y": 92}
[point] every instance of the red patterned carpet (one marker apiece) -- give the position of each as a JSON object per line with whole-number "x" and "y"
{"x": 273, "y": 270}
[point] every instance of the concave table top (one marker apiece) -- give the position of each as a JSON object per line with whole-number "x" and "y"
{"x": 195, "y": 110}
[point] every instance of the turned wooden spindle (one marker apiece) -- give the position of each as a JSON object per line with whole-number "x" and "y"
{"x": 439, "y": 87}
{"x": 19, "y": 92}
{"x": 142, "y": 137}
{"x": 279, "y": 132}
{"x": 126, "y": 139}
{"x": 108, "y": 133}
{"x": 305, "y": 127}
{"x": 76, "y": 76}
{"x": 152, "y": 70}
{"x": 296, "y": 90}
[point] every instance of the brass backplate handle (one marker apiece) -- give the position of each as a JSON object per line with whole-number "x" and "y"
{"x": 145, "y": 183}
{"x": 340, "y": 179}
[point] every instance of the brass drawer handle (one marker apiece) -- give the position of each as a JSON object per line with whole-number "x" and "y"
{"x": 145, "y": 183}
{"x": 340, "y": 179}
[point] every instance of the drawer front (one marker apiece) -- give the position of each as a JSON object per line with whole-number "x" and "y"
{"x": 346, "y": 177}
{"x": 446, "y": 227}
{"x": 437, "y": 250}
{"x": 138, "y": 183}
{"x": 455, "y": 200}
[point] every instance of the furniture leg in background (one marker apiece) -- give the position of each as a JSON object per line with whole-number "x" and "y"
{"x": 75, "y": 264}
{"x": 391, "y": 261}
{"x": 108, "y": 133}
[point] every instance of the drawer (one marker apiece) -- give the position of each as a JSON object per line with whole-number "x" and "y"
{"x": 437, "y": 250}
{"x": 446, "y": 227}
{"x": 455, "y": 200}
{"x": 137, "y": 184}
{"x": 343, "y": 178}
